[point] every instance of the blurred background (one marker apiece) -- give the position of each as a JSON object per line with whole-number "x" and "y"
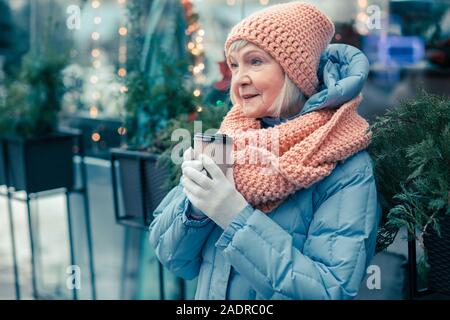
{"x": 113, "y": 78}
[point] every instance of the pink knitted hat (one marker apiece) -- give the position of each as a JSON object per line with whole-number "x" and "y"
{"x": 294, "y": 34}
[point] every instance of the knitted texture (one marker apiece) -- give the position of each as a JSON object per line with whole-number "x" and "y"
{"x": 294, "y": 34}
{"x": 270, "y": 164}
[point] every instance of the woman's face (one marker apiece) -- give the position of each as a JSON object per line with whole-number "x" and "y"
{"x": 256, "y": 80}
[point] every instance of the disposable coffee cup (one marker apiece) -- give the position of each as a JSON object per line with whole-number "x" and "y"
{"x": 216, "y": 146}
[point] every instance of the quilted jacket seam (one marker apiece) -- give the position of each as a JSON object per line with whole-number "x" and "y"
{"x": 281, "y": 254}
{"x": 178, "y": 216}
{"x": 256, "y": 268}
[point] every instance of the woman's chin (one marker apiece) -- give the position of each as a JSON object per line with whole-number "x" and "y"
{"x": 251, "y": 111}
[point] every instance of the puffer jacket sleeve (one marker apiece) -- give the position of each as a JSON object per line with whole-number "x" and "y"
{"x": 176, "y": 238}
{"x": 339, "y": 245}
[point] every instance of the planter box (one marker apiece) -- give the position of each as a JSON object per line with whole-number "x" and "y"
{"x": 107, "y": 130}
{"x": 438, "y": 251}
{"x": 39, "y": 164}
{"x": 140, "y": 186}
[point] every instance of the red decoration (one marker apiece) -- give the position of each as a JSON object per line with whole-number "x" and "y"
{"x": 224, "y": 84}
{"x": 187, "y": 9}
{"x": 192, "y": 116}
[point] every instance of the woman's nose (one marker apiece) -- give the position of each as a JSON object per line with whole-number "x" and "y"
{"x": 242, "y": 77}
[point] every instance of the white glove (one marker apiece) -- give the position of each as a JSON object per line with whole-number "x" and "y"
{"x": 188, "y": 161}
{"x": 216, "y": 196}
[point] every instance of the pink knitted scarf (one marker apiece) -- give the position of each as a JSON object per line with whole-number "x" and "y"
{"x": 270, "y": 164}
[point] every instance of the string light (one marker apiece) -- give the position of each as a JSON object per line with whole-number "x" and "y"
{"x": 96, "y": 64}
{"x": 96, "y": 4}
{"x": 198, "y": 68}
{"x": 122, "y": 131}
{"x": 93, "y": 112}
{"x": 94, "y": 79}
{"x": 362, "y": 3}
{"x": 123, "y": 31}
{"x": 95, "y": 137}
{"x": 95, "y": 35}
{"x": 362, "y": 16}
{"x": 195, "y": 46}
{"x": 122, "y": 72}
{"x": 95, "y": 53}
{"x": 201, "y": 78}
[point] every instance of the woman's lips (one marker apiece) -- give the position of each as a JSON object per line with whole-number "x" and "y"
{"x": 249, "y": 97}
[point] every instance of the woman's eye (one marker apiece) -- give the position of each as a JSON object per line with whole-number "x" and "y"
{"x": 233, "y": 65}
{"x": 256, "y": 61}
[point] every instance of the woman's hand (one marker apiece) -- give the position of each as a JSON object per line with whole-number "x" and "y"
{"x": 190, "y": 162}
{"x": 216, "y": 196}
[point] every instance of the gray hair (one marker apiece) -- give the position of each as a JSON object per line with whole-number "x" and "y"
{"x": 290, "y": 96}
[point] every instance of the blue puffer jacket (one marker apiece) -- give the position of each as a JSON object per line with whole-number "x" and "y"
{"x": 316, "y": 245}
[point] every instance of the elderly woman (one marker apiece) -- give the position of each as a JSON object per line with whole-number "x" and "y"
{"x": 300, "y": 221}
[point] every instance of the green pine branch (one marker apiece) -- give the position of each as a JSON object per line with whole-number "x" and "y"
{"x": 411, "y": 153}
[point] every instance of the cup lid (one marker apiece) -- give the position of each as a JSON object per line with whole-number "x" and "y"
{"x": 218, "y": 137}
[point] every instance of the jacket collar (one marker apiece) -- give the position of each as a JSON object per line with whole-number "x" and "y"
{"x": 267, "y": 122}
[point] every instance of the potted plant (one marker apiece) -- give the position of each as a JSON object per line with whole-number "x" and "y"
{"x": 411, "y": 153}
{"x": 149, "y": 106}
{"x": 38, "y": 156}
{"x": 217, "y": 104}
